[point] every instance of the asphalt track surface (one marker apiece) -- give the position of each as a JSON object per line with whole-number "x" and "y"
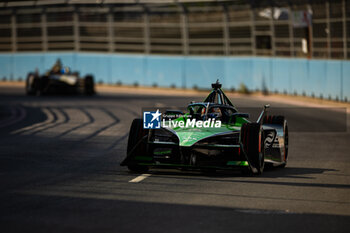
{"x": 60, "y": 172}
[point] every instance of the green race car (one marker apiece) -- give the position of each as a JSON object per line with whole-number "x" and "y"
{"x": 211, "y": 135}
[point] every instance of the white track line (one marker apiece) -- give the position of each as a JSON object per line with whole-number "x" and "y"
{"x": 139, "y": 178}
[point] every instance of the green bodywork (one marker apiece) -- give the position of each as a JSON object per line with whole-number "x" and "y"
{"x": 197, "y": 147}
{"x": 189, "y": 136}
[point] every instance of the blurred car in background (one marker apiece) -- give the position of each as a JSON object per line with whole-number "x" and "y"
{"x": 59, "y": 80}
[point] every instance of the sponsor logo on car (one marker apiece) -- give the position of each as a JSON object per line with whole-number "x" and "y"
{"x": 192, "y": 123}
{"x": 152, "y": 120}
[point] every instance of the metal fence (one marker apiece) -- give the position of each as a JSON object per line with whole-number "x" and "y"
{"x": 302, "y": 28}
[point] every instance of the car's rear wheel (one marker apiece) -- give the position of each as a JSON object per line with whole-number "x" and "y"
{"x": 42, "y": 85}
{"x": 89, "y": 85}
{"x": 281, "y": 122}
{"x": 136, "y": 146}
{"x": 252, "y": 139}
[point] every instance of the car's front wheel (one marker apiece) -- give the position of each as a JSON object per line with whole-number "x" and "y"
{"x": 136, "y": 147}
{"x": 252, "y": 139}
{"x": 31, "y": 84}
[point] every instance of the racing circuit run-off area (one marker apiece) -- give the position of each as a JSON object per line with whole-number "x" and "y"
{"x": 61, "y": 154}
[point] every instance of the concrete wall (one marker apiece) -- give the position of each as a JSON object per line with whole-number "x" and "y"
{"x": 329, "y": 78}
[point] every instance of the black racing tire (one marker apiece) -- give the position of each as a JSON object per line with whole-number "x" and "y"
{"x": 89, "y": 85}
{"x": 252, "y": 139}
{"x": 138, "y": 168}
{"x": 278, "y": 120}
{"x": 136, "y": 133}
{"x": 31, "y": 84}
{"x": 42, "y": 85}
{"x": 281, "y": 121}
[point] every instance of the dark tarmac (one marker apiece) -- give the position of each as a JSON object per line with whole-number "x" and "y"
{"x": 60, "y": 172}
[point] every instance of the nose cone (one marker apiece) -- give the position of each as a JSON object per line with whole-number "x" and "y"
{"x": 190, "y": 136}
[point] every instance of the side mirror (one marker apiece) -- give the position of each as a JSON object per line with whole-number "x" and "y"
{"x": 262, "y": 114}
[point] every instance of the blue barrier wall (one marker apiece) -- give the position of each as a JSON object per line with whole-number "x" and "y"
{"x": 327, "y": 78}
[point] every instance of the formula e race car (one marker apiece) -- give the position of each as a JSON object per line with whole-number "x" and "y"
{"x": 59, "y": 80}
{"x": 230, "y": 141}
